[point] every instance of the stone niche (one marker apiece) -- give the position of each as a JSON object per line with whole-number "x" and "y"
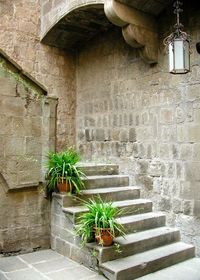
{"x": 27, "y": 133}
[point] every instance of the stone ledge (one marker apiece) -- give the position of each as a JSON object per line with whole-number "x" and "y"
{"x": 23, "y": 74}
{"x": 11, "y": 188}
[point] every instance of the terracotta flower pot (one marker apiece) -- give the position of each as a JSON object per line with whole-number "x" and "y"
{"x": 64, "y": 186}
{"x": 104, "y": 237}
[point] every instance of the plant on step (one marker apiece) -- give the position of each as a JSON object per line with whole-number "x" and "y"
{"x": 62, "y": 173}
{"x": 99, "y": 222}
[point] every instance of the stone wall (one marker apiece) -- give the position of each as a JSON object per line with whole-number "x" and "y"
{"x": 20, "y": 39}
{"x": 27, "y": 121}
{"x": 128, "y": 112}
{"x": 145, "y": 119}
{"x": 63, "y": 237}
{"x": 24, "y": 218}
{"x": 24, "y": 223}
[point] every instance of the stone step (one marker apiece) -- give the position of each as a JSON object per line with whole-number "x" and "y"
{"x": 187, "y": 270}
{"x": 112, "y": 194}
{"x": 96, "y": 182}
{"x": 141, "y": 222}
{"x": 99, "y": 169}
{"x": 136, "y": 243}
{"x": 138, "y": 265}
{"x": 133, "y": 206}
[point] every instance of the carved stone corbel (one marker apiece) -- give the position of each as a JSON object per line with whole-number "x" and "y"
{"x": 138, "y": 28}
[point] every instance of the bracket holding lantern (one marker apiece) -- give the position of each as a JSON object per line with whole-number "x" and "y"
{"x": 178, "y": 44}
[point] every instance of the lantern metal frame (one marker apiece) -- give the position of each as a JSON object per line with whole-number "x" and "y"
{"x": 178, "y": 45}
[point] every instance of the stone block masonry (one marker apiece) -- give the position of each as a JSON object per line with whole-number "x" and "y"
{"x": 55, "y": 69}
{"x": 27, "y": 121}
{"x": 28, "y": 132}
{"x": 146, "y": 120}
{"x": 118, "y": 108}
{"x": 63, "y": 237}
{"x": 28, "y": 127}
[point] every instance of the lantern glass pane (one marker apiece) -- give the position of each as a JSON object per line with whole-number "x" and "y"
{"x": 178, "y": 56}
{"x": 171, "y": 57}
{"x": 187, "y": 56}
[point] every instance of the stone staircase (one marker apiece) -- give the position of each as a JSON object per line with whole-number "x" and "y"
{"x": 149, "y": 244}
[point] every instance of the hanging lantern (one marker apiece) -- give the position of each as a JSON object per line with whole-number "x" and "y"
{"x": 178, "y": 44}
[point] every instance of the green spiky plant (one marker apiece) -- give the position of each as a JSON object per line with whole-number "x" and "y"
{"x": 63, "y": 166}
{"x": 100, "y": 215}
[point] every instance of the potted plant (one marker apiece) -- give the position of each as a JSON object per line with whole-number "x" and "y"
{"x": 62, "y": 173}
{"x": 99, "y": 222}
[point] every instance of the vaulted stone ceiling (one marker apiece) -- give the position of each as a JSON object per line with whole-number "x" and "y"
{"x": 77, "y": 27}
{"x": 73, "y": 28}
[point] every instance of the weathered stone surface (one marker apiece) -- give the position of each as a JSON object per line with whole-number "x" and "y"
{"x": 163, "y": 120}
{"x": 49, "y": 66}
{"x": 100, "y": 135}
{"x": 190, "y": 190}
{"x": 186, "y": 152}
{"x": 24, "y": 215}
{"x": 188, "y": 208}
{"x": 132, "y": 135}
{"x": 73, "y": 273}
{"x": 192, "y": 171}
{"x": 156, "y": 169}
{"x": 8, "y": 86}
{"x": 23, "y": 136}
{"x": 139, "y": 29}
{"x": 165, "y": 204}
{"x": 26, "y": 274}
{"x": 19, "y": 230}
{"x": 140, "y": 264}
{"x": 149, "y": 6}
{"x": 56, "y": 14}
{"x": 53, "y": 265}
{"x": 76, "y": 22}
{"x": 62, "y": 247}
{"x": 180, "y": 271}
{"x": 82, "y": 256}
{"x": 3, "y": 277}
{"x": 196, "y": 152}
{"x": 166, "y": 116}
{"x": 42, "y": 265}
{"x": 177, "y": 205}
{"x": 193, "y": 133}
{"x": 116, "y": 92}
{"x": 196, "y": 210}
{"x": 11, "y": 264}
{"x": 145, "y": 181}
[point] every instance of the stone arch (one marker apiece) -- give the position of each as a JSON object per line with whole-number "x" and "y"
{"x": 72, "y": 24}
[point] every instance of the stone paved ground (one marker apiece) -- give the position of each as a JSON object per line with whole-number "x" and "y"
{"x": 44, "y": 265}
{"x": 50, "y": 265}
